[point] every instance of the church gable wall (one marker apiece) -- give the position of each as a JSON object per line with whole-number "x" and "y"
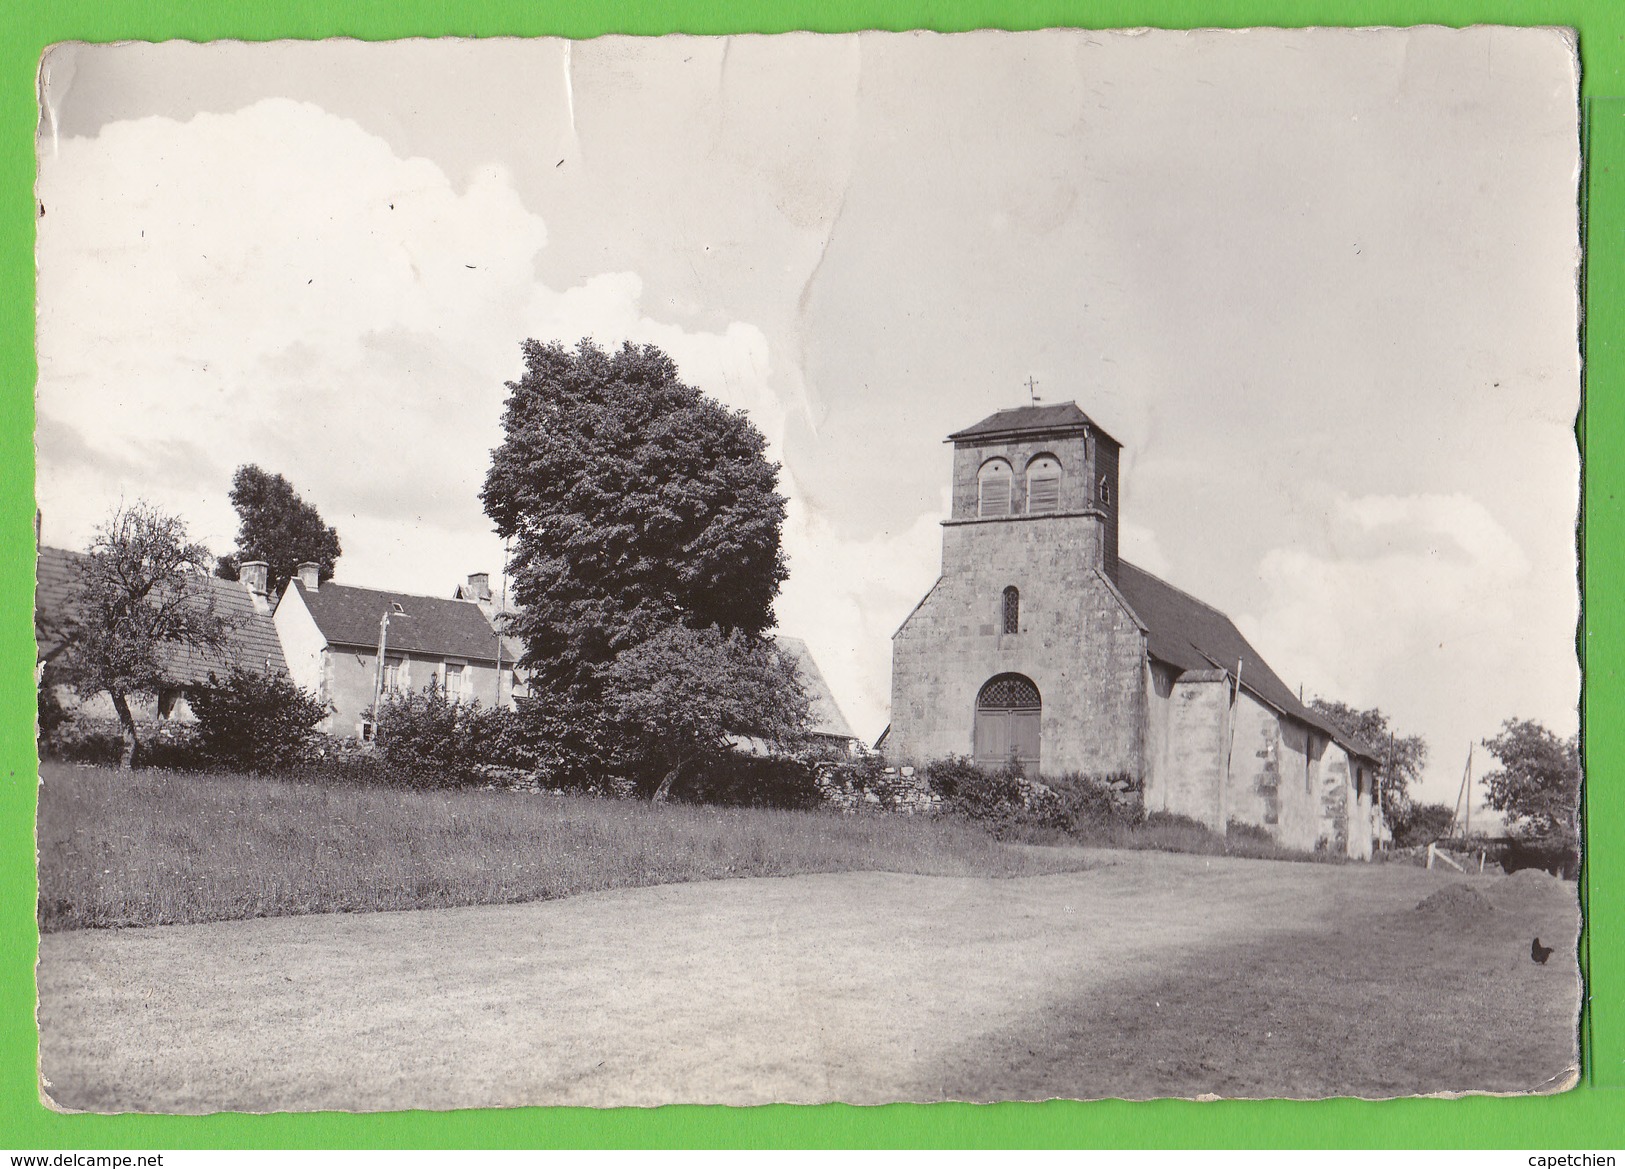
{"x": 1075, "y": 642}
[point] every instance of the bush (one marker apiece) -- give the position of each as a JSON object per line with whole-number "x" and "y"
{"x": 1007, "y": 803}
{"x": 995, "y": 799}
{"x": 1241, "y": 835}
{"x": 753, "y": 781}
{"x": 50, "y": 716}
{"x": 430, "y": 741}
{"x": 1557, "y": 854}
{"x": 255, "y": 722}
{"x": 560, "y": 745}
{"x": 1094, "y": 805}
{"x": 79, "y": 738}
{"x": 1417, "y": 824}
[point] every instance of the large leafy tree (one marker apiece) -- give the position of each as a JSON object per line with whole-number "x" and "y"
{"x": 141, "y": 600}
{"x": 1538, "y": 782}
{"x": 1402, "y": 756}
{"x": 277, "y": 526}
{"x": 637, "y": 507}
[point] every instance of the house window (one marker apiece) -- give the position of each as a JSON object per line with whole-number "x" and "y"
{"x": 454, "y": 681}
{"x": 1012, "y": 610}
{"x": 1104, "y": 491}
{"x": 1044, "y": 485}
{"x": 394, "y": 675}
{"x": 993, "y": 488}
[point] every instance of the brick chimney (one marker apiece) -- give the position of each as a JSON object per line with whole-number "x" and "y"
{"x": 310, "y": 575}
{"x": 479, "y": 586}
{"x": 253, "y": 574}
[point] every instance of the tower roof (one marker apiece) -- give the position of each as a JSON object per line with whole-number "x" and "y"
{"x": 1063, "y": 417}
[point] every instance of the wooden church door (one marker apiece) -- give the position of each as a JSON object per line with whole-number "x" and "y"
{"x": 1008, "y": 716}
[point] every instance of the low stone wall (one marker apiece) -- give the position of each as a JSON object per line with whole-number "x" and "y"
{"x": 902, "y": 790}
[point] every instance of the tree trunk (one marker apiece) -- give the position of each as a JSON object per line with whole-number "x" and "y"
{"x": 127, "y": 721}
{"x": 664, "y": 789}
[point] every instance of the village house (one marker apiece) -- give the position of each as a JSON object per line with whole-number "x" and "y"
{"x": 827, "y": 727}
{"x": 332, "y": 635}
{"x": 251, "y": 642}
{"x": 1038, "y": 644}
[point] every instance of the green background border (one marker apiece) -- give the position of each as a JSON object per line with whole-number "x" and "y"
{"x": 1593, "y": 1115}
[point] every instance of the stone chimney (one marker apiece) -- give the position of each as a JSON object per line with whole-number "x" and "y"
{"x": 253, "y": 574}
{"x": 310, "y": 575}
{"x": 479, "y": 586}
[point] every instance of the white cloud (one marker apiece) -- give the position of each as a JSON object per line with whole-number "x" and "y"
{"x": 274, "y": 285}
{"x": 1409, "y": 590}
{"x": 1139, "y": 546}
{"x": 846, "y": 597}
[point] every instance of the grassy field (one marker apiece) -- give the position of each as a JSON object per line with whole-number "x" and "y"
{"x": 160, "y": 848}
{"x": 1147, "y": 974}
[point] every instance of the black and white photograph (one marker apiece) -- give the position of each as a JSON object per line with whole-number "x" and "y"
{"x": 785, "y": 569}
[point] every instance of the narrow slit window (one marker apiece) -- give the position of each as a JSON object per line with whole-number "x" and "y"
{"x": 1012, "y": 610}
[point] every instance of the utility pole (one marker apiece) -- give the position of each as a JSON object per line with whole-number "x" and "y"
{"x": 1466, "y": 777}
{"x": 378, "y": 676}
{"x": 1229, "y": 751}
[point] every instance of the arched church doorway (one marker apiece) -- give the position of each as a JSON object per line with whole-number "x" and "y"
{"x": 1008, "y": 713}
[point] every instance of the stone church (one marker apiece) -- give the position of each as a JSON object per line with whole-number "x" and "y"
{"x": 1039, "y": 644}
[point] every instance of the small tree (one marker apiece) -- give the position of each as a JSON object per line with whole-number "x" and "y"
{"x": 278, "y": 527}
{"x": 1538, "y": 782}
{"x": 1421, "y": 823}
{"x": 141, "y": 598}
{"x": 255, "y": 721}
{"x": 678, "y": 697}
{"x": 1402, "y": 757}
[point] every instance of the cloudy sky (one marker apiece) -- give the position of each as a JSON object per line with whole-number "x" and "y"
{"x": 1320, "y": 284}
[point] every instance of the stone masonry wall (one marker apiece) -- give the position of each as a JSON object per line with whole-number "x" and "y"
{"x": 1190, "y": 780}
{"x": 1079, "y": 646}
{"x": 1076, "y": 487}
{"x": 1301, "y": 751}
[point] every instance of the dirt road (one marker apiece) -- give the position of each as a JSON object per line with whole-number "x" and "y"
{"x": 863, "y": 987}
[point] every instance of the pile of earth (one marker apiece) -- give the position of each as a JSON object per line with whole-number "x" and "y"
{"x": 1456, "y": 901}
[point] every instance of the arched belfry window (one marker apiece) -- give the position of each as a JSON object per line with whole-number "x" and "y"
{"x": 993, "y": 488}
{"x": 1012, "y": 610}
{"x": 1008, "y": 716}
{"x": 1044, "y": 485}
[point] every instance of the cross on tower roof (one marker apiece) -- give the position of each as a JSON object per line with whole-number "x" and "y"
{"x": 1032, "y": 387}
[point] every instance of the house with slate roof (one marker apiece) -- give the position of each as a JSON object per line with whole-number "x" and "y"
{"x": 825, "y": 722}
{"x": 251, "y": 643}
{"x": 332, "y": 635}
{"x": 1038, "y": 644}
